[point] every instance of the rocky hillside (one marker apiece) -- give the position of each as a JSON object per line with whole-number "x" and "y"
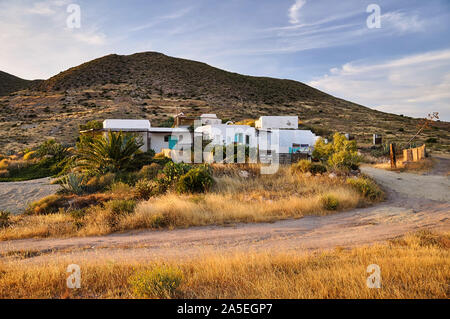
{"x": 157, "y": 73}
{"x": 154, "y": 86}
{"x": 10, "y": 83}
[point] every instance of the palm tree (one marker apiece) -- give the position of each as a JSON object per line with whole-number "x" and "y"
{"x": 111, "y": 153}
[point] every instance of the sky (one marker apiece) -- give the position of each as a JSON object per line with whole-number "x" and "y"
{"x": 394, "y": 57}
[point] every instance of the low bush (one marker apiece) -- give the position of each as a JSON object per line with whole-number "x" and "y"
{"x": 129, "y": 178}
{"x": 173, "y": 171}
{"x": 318, "y": 168}
{"x": 4, "y": 173}
{"x": 47, "y": 205}
{"x": 366, "y": 187}
{"x": 4, "y": 163}
{"x": 160, "y": 282}
{"x": 121, "y": 206}
{"x": 302, "y": 166}
{"x": 99, "y": 183}
{"x": 120, "y": 189}
{"x": 329, "y": 202}
{"x": 142, "y": 159}
{"x": 197, "y": 180}
{"x": 150, "y": 171}
{"x": 30, "y": 155}
{"x": 144, "y": 189}
{"x": 306, "y": 166}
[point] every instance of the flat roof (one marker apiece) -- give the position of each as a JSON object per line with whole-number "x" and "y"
{"x": 126, "y": 124}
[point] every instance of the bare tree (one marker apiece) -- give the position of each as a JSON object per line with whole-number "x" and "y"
{"x": 424, "y": 124}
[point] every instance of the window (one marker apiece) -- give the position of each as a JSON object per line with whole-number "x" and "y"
{"x": 239, "y": 138}
{"x": 247, "y": 139}
{"x": 166, "y": 138}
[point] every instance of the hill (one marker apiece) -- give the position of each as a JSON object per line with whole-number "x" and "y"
{"x": 157, "y": 73}
{"x": 154, "y": 86}
{"x": 10, "y": 83}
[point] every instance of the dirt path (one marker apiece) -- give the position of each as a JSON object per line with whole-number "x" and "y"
{"x": 15, "y": 196}
{"x": 419, "y": 202}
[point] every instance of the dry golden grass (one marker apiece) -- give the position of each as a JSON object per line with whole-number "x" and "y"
{"x": 53, "y": 225}
{"x": 420, "y": 167}
{"x": 416, "y": 266}
{"x": 233, "y": 199}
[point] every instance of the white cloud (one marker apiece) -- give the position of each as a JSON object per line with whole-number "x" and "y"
{"x": 414, "y": 85}
{"x": 172, "y": 16}
{"x": 402, "y": 22}
{"x": 294, "y": 11}
{"x": 39, "y": 30}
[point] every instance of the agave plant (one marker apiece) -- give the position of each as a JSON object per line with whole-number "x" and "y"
{"x": 111, "y": 153}
{"x": 73, "y": 183}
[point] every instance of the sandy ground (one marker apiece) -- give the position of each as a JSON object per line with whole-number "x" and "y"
{"x": 15, "y": 196}
{"x": 418, "y": 202}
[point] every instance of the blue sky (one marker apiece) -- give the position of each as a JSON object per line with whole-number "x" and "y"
{"x": 402, "y": 67}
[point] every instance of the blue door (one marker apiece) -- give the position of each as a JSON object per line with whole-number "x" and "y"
{"x": 172, "y": 142}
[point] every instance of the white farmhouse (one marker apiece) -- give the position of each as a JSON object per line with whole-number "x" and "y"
{"x": 271, "y": 135}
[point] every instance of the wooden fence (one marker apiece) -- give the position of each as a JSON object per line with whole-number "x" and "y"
{"x": 414, "y": 154}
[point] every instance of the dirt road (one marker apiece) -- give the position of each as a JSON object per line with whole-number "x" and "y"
{"x": 15, "y": 196}
{"x": 418, "y": 202}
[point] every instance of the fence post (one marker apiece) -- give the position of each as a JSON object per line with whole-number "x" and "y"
{"x": 392, "y": 153}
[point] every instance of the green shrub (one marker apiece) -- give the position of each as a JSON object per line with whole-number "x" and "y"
{"x": 302, "y": 166}
{"x": 306, "y": 166}
{"x": 160, "y": 282}
{"x": 366, "y": 187}
{"x": 52, "y": 148}
{"x": 173, "y": 171}
{"x": 142, "y": 159}
{"x": 197, "y": 180}
{"x": 93, "y": 124}
{"x": 144, "y": 189}
{"x": 329, "y": 202}
{"x": 431, "y": 140}
{"x": 4, "y": 218}
{"x": 129, "y": 178}
{"x": 318, "y": 168}
{"x": 121, "y": 206}
{"x": 339, "y": 154}
{"x": 78, "y": 215}
{"x": 380, "y": 151}
{"x": 100, "y": 183}
{"x": 150, "y": 171}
